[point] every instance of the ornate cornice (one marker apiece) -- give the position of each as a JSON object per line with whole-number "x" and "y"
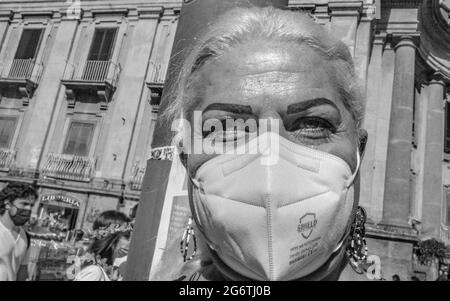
{"x": 323, "y": 11}
{"x": 389, "y": 232}
{"x": 119, "y": 11}
{"x": 36, "y": 14}
{"x": 170, "y": 14}
{"x": 150, "y": 12}
{"x": 401, "y": 3}
{"x": 6, "y": 15}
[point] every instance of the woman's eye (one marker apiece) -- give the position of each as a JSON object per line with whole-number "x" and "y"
{"x": 312, "y": 128}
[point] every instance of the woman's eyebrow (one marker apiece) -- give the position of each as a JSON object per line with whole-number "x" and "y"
{"x": 306, "y": 104}
{"x": 229, "y": 107}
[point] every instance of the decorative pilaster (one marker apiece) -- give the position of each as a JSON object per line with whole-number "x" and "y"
{"x": 433, "y": 156}
{"x": 397, "y": 198}
{"x": 374, "y": 83}
{"x": 344, "y": 21}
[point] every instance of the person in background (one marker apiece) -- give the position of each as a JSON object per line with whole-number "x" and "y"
{"x": 111, "y": 247}
{"x": 442, "y": 276}
{"x": 16, "y": 201}
{"x": 396, "y": 278}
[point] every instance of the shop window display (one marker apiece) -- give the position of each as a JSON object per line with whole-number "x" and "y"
{"x": 55, "y": 241}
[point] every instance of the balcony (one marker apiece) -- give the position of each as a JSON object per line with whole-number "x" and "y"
{"x": 156, "y": 78}
{"x": 69, "y": 167}
{"x": 7, "y": 157}
{"x": 137, "y": 176}
{"x": 97, "y": 78}
{"x": 22, "y": 75}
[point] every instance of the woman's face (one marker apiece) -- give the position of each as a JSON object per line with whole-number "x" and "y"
{"x": 122, "y": 247}
{"x": 282, "y": 81}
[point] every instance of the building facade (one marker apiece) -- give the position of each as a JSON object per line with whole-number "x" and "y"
{"x": 80, "y": 84}
{"x": 401, "y": 50}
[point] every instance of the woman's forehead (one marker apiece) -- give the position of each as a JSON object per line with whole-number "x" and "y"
{"x": 262, "y": 56}
{"x": 279, "y": 83}
{"x": 278, "y": 74}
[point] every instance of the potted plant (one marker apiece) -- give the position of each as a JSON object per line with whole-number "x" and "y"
{"x": 429, "y": 253}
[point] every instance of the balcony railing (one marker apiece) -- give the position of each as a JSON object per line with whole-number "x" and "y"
{"x": 96, "y": 70}
{"x": 157, "y": 73}
{"x": 7, "y": 157}
{"x": 69, "y": 167}
{"x": 23, "y": 69}
{"x": 93, "y": 71}
{"x": 137, "y": 176}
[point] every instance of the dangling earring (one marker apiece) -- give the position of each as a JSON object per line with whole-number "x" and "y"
{"x": 357, "y": 248}
{"x": 184, "y": 243}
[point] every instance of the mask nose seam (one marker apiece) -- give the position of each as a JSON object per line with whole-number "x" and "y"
{"x": 269, "y": 235}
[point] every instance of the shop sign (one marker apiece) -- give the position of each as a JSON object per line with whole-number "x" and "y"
{"x": 61, "y": 198}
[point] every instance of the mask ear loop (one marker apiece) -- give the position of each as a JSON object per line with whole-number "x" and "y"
{"x": 350, "y": 183}
{"x": 355, "y": 173}
{"x": 194, "y": 210}
{"x": 191, "y": 201}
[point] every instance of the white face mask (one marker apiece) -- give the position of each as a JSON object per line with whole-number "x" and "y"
{"x": 280, "y": 220}
{"x": 119, "y": 261}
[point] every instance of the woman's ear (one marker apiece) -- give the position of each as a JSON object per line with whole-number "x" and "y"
{"x": 363, "y": 136}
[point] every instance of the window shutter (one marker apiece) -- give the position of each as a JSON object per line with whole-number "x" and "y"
{"x": 79, "y": 139}
{"x": 84, "y": 139}
{"x": 29, "y": 43}
{"x": 102, "y": 44}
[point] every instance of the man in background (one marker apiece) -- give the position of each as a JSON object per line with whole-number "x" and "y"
{"x": 16, "y": 201}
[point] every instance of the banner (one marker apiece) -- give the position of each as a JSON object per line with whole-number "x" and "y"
{"x": 175, "y": 212}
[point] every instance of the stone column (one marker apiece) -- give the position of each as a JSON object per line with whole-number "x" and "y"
{"x": 382, "y": 132}
{"x": 433, "y": 156}
{"x": 396, "y": 207}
